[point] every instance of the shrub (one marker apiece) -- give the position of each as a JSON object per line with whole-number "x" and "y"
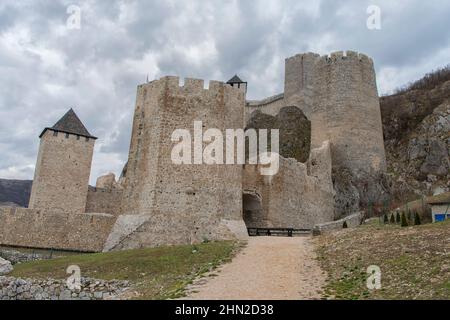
{"x": 385, "y": 219}
{"x": 417, "y": 219}
{"x": 397, "y": 217}
{"x": 344, "y": 226}
{"x": 403, "y": 220}
{"x": 392, "y": 220}
{"x": 409, "y": 216}
{"x": 429, "y": 81}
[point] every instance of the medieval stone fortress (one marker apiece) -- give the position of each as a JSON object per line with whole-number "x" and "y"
{"x": 156, "y": 202}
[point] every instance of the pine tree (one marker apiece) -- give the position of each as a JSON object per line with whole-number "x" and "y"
{"x": 404, "y": 221}
{"x": 392, "y": 220}
{"x": 417, "y": 219}
{"x": 397, "y": 217}
{"x": 344, "y": 226}
{"x": 409, "y": 215}
{"x": 385, "y": 219}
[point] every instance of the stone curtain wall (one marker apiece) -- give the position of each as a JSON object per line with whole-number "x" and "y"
{"x": 104, "y": 200}
{"x": 62, "y": 173}
{"x": 352, "y": 221}
{"x": 64, "y": 231}
{"x": 271, "y": 106}
{"x": 179, "y": 203}
{"x": 299, "y": 196}
{"x": 50, "y": 289}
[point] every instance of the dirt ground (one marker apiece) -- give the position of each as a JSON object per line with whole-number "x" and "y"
{"x": 269, "y": 268}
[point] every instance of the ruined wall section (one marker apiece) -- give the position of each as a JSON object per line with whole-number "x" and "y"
{"x": 54, "y": 230}
{"x": 346, "y": 111}
{"x": 181, "y": 203}
{"x": 299, "y": 196}
{"x": 62, "y": 173}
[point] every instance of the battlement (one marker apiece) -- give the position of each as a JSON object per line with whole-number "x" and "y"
{"x": 331, "y": 57}
{"x": 104, "y": 190}
{"x": 190, "y": 85}
{"x": 349, "y": 55}
{"x": 299, "y": 56}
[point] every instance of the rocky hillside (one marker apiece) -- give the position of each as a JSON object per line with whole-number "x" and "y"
{"x": 416, "y": 125}
{"x": 15, "y": 192}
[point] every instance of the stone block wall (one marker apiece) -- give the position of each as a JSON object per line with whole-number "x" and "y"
{"x": 104, "y": 200}
{"x": 299, "y": 196}
{"x": 352, "y": 221}
{"x": 54, "y": 230}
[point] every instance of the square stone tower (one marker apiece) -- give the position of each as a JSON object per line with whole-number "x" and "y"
{"x": 236, "y": 82}
{"x": 63, "y": 167}
{"x": 168, "y": 203}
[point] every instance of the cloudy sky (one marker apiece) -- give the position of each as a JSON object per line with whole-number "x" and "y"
{"x": 46, "y": 67}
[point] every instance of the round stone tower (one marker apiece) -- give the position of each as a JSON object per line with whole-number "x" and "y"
{"x": 346, "y": 111}
{"x": 338, "y": 94}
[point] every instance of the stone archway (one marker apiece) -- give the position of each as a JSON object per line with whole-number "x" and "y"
{"x": 252, "y": 209}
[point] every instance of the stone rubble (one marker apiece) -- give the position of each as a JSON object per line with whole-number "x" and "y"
{"x": 50, "y": 289}
{"x": 5, "y": 266}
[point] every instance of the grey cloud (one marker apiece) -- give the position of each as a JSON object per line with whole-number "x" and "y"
{"x": 46, "y": 69}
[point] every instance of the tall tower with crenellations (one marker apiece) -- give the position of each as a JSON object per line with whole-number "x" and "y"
{"x": 338, "y": 93}
{"x": 165, "y": 202}
{"x": 63, "y": 167}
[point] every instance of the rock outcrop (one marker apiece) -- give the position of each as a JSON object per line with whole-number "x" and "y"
{"x": 295, "y": 131}
{"x": 416, "y": 127}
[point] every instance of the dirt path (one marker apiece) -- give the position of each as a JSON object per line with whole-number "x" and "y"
{"x": 267, "y": 268}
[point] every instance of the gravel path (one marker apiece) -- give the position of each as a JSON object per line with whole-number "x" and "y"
{"x": 268, "y": 268}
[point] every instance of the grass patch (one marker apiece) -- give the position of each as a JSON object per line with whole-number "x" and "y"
{"x": 414, "y": 261}
{"x": 157, "y": 273}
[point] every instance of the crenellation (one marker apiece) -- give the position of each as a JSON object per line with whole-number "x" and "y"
{"x": 352, "y": 54}
{"x": 365, "y": 59}
{"x": 194, "y": 85}
{"x": 337, "y": 55}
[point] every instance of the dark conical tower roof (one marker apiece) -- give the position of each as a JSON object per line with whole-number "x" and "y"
{"x": 70, "y": 123}
{"x": 235, "y": 79}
